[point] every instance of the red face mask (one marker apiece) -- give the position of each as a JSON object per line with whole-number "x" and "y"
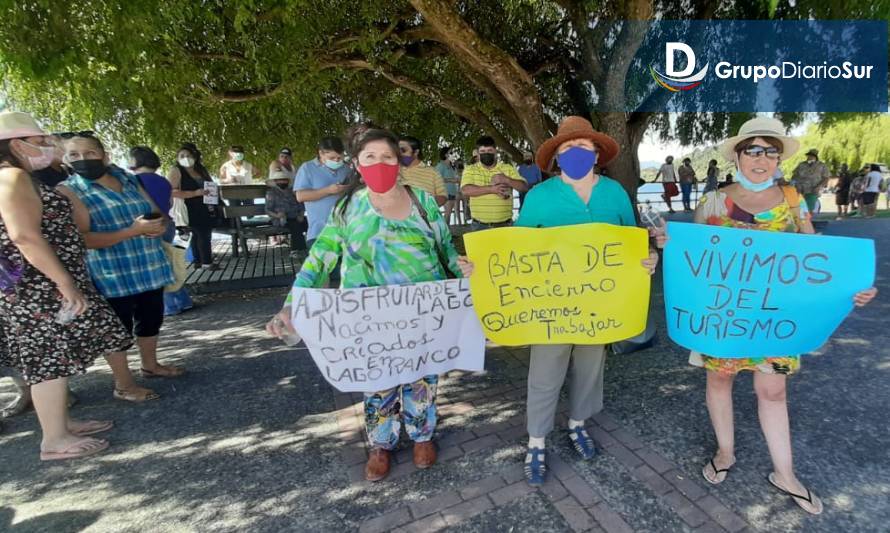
{"x": 379, "y": 177}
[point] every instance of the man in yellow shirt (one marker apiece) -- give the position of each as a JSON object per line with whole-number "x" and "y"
{"x": 489, "y": 185}
{"x": 417, "y": 174}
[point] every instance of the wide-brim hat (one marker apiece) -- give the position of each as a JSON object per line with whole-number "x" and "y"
{"x": 813, "y": 152}
{"x": 577, "y": 128}
{"x": 17, "y": 125}
{"x": 277, "y": 176}
{"x": 761, "y": 127}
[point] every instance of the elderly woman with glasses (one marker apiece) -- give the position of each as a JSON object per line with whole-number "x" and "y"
{"x": 753, "y": 201}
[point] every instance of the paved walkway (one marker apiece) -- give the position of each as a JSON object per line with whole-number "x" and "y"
{"x": 255, "y": 440}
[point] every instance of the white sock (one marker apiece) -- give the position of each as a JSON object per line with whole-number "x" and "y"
{"x": 575, "y": 424}
{"x": 536, "y": 442}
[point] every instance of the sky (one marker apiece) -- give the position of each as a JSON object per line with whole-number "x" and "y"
{"x": 652, "y": 149}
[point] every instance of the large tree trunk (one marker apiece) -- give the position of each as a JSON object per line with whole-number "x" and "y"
{"x": 626, "y": 167}
{"x": 501, "y": 70}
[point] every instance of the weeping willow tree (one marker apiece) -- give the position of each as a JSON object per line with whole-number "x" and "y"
{"x": 273, "y": 73}
{"x": 853, "y": 141}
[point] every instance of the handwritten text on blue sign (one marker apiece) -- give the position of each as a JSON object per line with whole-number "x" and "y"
{"x": 743, "y": 293}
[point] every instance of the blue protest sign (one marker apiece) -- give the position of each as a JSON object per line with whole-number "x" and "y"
{"x": 742, "y": 293}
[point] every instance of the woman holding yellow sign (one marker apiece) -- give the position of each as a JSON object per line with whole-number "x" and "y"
{"x": 754, "y": 202}
{"x": 577, "y": 196}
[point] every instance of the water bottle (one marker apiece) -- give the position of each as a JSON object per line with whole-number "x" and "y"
{"x": 651, "y": 218}
{"x": 66, "y": 314}
{"x": 290, "y": 339}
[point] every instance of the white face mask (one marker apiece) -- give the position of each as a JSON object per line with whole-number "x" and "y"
{"x": 187, "y": 162}
{"x": 45, "y": 159}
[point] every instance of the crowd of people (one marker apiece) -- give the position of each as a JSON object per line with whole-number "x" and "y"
{"x": 379, "y": 207}
{"x": 855, "y": 192}
{"x": 859, "y": 192}
{"x": 87, "y": 272}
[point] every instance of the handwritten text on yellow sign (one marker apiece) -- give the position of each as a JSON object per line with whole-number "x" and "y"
{"x": 580, "y": 284}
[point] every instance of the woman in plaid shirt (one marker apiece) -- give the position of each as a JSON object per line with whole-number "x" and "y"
{"x": 122, "y": 229}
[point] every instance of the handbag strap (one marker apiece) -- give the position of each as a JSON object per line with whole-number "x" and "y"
{"x": 792, "y": 198}
{"x": 425, "y": 217}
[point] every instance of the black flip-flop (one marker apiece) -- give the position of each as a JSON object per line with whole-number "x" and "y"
{"x": 809, "y": 498}
{"x": 717, "y": 472}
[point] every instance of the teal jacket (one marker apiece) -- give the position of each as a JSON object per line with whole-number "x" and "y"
{"x": 553, "y": 203}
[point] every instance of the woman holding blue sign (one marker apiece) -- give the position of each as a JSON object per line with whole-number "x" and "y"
{"x": 578, "y": 195}
{"x": 754, "y": 202}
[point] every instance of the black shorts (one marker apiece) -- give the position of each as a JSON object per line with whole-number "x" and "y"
{"x": 868, "y": 198}
{"x": 145, "y": 311}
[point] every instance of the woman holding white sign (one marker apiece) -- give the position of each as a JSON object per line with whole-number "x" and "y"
{"x": 386, "y": 234}
{"x": 754, "y": 202}
{"x": 579, "y": 195}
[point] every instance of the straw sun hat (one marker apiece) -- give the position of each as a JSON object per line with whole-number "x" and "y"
{"x": 17, "y": 125}
{"x": 760, "y": 127}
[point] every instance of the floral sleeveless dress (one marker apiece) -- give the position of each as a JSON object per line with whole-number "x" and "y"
{"x": 30, "y": 339}
{"x": 720, "y": 210}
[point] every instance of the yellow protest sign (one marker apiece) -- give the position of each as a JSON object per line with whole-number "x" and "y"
{"x": 580, "y": 284}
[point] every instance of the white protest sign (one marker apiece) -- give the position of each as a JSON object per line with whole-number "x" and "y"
{"x": 371, "y": 339}
{"x": 211, "y": 195}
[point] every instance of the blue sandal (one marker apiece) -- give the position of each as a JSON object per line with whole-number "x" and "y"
{"x": 582, "y": 442}
{"x": 535, "y": 467}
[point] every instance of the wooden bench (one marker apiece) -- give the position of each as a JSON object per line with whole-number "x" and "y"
{"x": 241, "y": 229}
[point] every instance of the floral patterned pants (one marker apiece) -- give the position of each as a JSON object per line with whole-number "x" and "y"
{"x": 413, "y": 404}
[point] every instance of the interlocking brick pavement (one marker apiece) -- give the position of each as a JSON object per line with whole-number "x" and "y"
{"x": 580, "y": 504}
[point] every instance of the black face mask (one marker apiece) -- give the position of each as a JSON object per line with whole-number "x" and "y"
{"x": 487, "y": 159}
{"x": 282, "y": 185}
{"x": 528, "y": 161}
{"x": 91, "y": 169}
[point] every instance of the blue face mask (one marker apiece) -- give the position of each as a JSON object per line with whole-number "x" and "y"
{"x": 333, "y": 165}
{"x": 576, "y": 162}
{"x": 750, "y": 185}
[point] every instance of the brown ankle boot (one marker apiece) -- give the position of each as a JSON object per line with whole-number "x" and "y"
{"x": 424, "y": 454}
{"x": 378, "y": 464}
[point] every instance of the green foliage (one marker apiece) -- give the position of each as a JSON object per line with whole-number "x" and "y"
{"x": 273, "y": 73}
{"x": 852, "y": 141}
{"x": 158, "y": 72}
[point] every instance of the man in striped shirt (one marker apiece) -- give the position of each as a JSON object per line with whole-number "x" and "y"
{"x": 415, "y": 173}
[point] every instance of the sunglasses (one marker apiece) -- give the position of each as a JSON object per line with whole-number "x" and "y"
{"x": 754, "y": 151}
{"x": 69, "y": 134}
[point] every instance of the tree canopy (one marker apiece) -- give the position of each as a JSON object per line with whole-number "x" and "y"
{"x": 273, "y": 73}
{"x": 855, "y": 142}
